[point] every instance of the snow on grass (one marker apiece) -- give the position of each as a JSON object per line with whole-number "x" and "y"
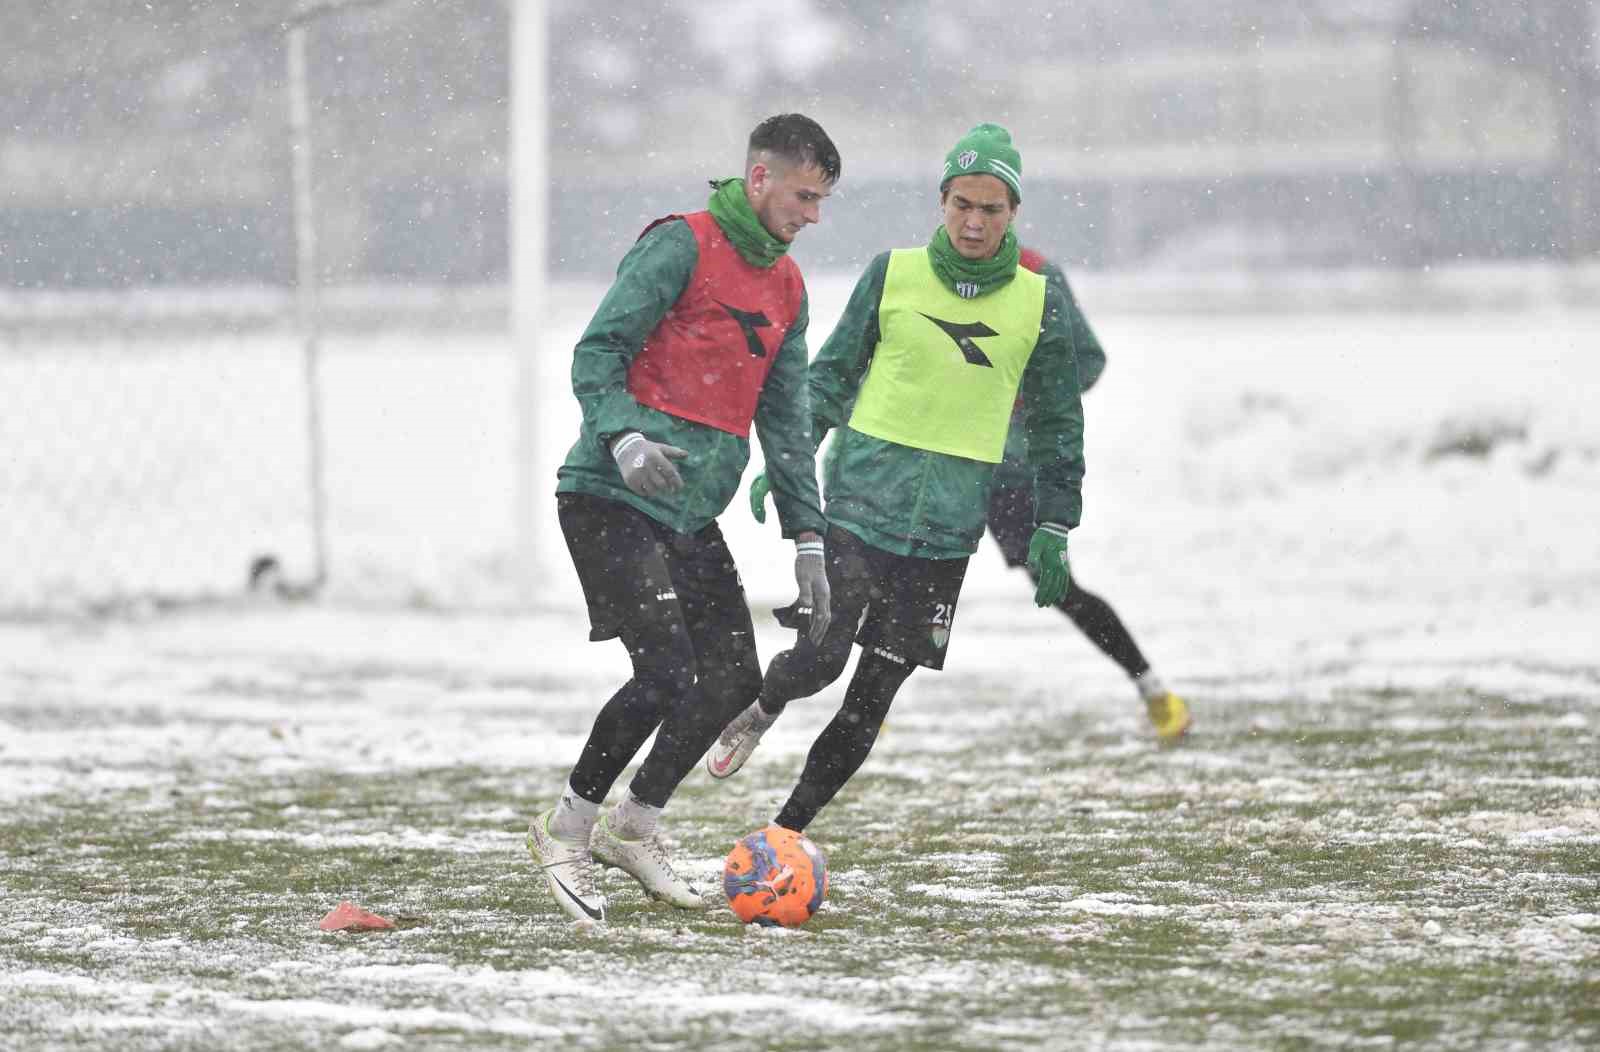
{"x": 1362, "y": 546}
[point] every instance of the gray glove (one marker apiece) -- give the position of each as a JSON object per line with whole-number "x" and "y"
{"x": 811, "y": 575}
{"x": 646, "y": 466}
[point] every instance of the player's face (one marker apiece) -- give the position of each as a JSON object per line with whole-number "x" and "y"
{"x": 786, "y": 199}
{"x": 977, "y": 210}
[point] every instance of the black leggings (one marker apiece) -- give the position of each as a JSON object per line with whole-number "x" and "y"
{"x": 843, "y": 745}
{"x": 676, "y": 601}
{"x": 1011, "y": 523}
{"x": 807, "y": 668}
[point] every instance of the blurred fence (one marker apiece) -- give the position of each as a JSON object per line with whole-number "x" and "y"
{"x": 1248, "y": 156}
{"x": 151, "y": 147}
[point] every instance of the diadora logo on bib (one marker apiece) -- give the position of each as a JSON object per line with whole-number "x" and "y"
{"x": 749, "y": 322}
{"x": 964, "y": 333}
{"x": 664, "y": 596}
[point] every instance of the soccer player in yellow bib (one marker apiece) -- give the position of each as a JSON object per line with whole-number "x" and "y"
{"x": 1011, "y": 524}
{"x": 919, "y": 377}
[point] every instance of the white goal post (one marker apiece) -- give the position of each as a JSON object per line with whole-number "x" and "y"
{"x": 529, "y": 200}
{"x": 157, "y": 443}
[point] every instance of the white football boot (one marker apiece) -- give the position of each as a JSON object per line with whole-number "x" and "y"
{"x": 647, "y": 862}
{"x": 568, "y": 868}
{"x": 737, "y": 741}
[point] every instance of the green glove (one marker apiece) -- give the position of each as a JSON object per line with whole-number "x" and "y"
{"x": 759, "y": 488}
{"x": 1047, "y": 559}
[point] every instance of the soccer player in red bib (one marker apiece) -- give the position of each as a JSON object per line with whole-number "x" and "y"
{"x": 701, "y": 336}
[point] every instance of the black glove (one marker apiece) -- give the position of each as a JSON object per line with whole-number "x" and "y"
{"x": 646, "y": 466}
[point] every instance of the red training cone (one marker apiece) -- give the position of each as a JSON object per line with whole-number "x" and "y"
{"x": 347, "y": 916}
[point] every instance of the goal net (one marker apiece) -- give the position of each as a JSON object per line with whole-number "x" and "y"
{"x": 139, "y": 472}
{"x": 173, "y": 418}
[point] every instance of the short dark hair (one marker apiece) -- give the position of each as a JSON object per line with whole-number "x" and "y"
{"x": 799, "y": 140}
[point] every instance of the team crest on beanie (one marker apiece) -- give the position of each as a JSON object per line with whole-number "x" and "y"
{"x": 985, "y": 150}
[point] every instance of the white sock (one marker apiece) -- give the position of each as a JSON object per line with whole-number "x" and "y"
{"x": 574, "y": 817}
{"x": 632, "y": 819}
{"x": 1150, "y": 685}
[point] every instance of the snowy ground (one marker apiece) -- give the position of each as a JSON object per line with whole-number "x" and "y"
{"x": 1363, "y": 545}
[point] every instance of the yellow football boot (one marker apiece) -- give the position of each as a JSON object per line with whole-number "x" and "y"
{"x": 1170, "y": 714}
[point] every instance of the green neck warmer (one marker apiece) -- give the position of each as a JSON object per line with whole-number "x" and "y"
{"x": 969, "y": 278}
{"x": 731, "y": 209}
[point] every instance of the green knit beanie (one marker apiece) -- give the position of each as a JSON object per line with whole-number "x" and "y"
{"x": 985, "y": 150}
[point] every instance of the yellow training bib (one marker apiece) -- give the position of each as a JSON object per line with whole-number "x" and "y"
{"x": 946, "y": 370}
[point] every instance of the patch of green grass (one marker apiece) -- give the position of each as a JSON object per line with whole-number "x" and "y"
{"x": 1093, "y": 894}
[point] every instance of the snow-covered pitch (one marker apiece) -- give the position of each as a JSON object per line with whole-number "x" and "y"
{"x": 1362, "y": 545}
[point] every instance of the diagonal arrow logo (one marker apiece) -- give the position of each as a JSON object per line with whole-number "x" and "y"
{"x": 963, "y": 334}
{"x": 749, "y": 322}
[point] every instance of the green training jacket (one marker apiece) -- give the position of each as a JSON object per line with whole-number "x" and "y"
{"x": 650, "y": 278}
{"x": 933, "y": 505}
{"x": 1014, "y": 470}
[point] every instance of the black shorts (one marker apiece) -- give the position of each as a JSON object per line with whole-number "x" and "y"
{"x": 642, "y": 579}
{"x": 905, "y": 606}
